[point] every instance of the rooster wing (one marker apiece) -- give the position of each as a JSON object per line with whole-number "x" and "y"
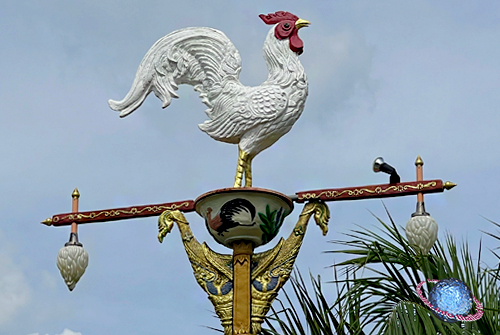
{"x": 252, "y": 106}
{"x": 202, "y": 57}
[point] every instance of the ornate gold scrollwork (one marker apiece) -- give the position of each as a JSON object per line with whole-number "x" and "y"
{"x": 118, "y": 212}
{"x": 380, "y": 190}
{"x": 269, "y": 270}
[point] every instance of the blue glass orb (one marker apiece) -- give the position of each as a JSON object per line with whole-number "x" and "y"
{"x": 451, "y": 295}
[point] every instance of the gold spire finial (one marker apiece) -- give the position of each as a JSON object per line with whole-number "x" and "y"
{"x": 47, "y": 222}
{"x": 75, "y": 193}
{"x": 449, "y": 185}
{"x": 419, "y": 161}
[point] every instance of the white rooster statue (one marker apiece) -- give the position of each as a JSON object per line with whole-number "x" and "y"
{"x": 252, "y": 117}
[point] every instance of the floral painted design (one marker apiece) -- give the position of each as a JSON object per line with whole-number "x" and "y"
{"x": 271, "y": 223}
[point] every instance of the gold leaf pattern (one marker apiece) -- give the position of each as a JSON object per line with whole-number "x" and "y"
{"x": 379, "y": 190}
{"x": 113, "y": 213}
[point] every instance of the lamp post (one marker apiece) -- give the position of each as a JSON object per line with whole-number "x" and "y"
{"x": 242, "y": 285}
{"x": 72, "y": 259}
{"x": 421, "y": 229}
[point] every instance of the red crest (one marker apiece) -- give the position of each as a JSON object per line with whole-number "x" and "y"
{"x": 278, "y": 17}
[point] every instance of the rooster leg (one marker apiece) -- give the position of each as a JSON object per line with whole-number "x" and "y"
{"x": 248, "y": 171}
{"x": 241, "y": 167}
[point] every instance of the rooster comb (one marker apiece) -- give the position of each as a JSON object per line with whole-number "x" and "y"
{"x": 274, "y": 18}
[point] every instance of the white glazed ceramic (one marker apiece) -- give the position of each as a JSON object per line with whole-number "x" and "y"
{"x": 250, "y": 214}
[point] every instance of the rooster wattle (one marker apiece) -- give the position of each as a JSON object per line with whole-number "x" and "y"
{"x": 252, "y": 117}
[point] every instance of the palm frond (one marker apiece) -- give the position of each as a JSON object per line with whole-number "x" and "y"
{"x": 313, "y": 314}
{"x": 376, "y": 289}
{"x": 392, "y": 271}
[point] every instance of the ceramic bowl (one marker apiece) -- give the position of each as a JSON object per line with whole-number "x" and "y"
{"x": 247, "y": 213}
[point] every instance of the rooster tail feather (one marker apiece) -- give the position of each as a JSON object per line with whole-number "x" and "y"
{"x": 164, "y": 90}
{"x": 151, "y": 76}
{"x": 133, "y": 100}
{"x": 201, "y": 57}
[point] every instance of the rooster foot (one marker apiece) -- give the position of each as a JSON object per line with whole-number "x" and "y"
{"x": 244, "y": 167}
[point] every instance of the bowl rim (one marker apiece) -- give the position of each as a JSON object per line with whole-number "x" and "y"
{"x": 208, "y": 194}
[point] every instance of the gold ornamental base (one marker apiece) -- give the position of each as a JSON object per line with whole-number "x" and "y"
{"x": 242, "y": 286}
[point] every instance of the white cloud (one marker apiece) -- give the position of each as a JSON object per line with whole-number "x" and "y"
{"x": 49, "y": 281}
{"x": 14, "y": 289}
{"x": 340, "y": 69}
{"x": 66, "y": 331}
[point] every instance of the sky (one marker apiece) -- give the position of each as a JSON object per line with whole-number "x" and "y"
{"x": 386, "y": 78}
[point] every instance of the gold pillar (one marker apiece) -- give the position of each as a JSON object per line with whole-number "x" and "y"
{"x": 242, "y": 256}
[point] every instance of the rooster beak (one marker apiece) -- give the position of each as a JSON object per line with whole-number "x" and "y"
{"x": 301, "y": 23}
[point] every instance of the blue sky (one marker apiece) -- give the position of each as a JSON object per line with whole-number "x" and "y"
{"x": 386, "y": 78}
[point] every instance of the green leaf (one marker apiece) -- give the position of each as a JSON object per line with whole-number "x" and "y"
{"x": 376, "y": 288}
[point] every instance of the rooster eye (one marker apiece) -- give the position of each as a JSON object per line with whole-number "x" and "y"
{"x": 287, "y": 25}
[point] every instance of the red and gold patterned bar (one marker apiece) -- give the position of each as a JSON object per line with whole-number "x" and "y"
{"x": 376, "y": 191}
{"x": 118, "y": 213}
{"x": 333, "y": 194}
